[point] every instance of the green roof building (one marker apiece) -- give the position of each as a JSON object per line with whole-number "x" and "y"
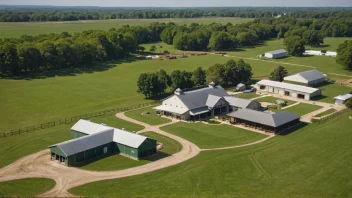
{"x": 91, "y": 141}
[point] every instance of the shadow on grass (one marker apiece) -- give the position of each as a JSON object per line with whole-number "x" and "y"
{"x": 157, "y": 156}
{"x": 293, "y": 129}
{"x": 73, "y": 71}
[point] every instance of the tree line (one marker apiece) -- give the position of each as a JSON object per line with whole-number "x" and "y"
{"x": 27, "y": 14}
{"x": 229, "y": 74}
{"x": 32, "y": 54}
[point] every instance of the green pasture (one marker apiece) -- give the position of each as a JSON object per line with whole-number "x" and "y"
{"x": 170, "y": 146}
{"x": 147, "y": 115}
{"x": 213, "y": 136}
{"x": 247, "y": 95}
{"x": 271, "y": 99}
{"x": 329, "y": 91}
{"x": 25, "y": 187}
{"x": 36, "y": 28}
{"x": 302, "y": 108}
{"x": 113, "y": 121}
{"x": 313, "y": 161}
{"x": 330, "y": 111}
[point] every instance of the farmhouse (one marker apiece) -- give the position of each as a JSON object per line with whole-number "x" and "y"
{"x": 286, "y": 89}
{"x": 264, "y": 120}
{"x": 276, "y": 54}
{"x": 310, "y": 77}
{"x": 91, "y": 141}
{"x": 341, "y": 99}
{"x": 202, "y": 103}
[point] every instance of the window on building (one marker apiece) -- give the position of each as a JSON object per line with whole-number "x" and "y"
{"x": 287, "y": 93}
{"x": 262, "y": 87}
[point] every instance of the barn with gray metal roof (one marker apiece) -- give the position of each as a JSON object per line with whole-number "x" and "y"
{"x": 92, "y": 141}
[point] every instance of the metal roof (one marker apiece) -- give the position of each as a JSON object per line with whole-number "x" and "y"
{"x": 343, "y": 97}
{"x": 199, "y": 111}
{"x": 238, "y": 102}
{"x": 88, "y": 127}
{"x": 275, "y": 52}
{"x": 212, "y": 100}
{"x": 172, "y": 109}
{"x": 265, "y": 118}
{"x": 127, "y": 138}
{"x": 307, "y": 76}
{"x": 293, "y": 87}
{"x": 84, "y": 143}
{"x": 198, "y": 98}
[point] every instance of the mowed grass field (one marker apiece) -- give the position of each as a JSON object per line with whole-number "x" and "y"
{"x": 30, "y": 102}
{"x": 147, "y": 115}
{"x": 35, "y": 28}
{"x": 25, "y": 187}
{"x": 213, "y": 136}
{"x": 313, "y": 161}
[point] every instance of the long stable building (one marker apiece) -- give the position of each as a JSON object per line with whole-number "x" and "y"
{"x": 266, "y": 121}
{"x": 202, "y": 103}
{"x": 91, "y": 141}
{"x": 287, "y": 89}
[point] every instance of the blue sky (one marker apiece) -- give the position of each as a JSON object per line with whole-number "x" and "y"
{"x": 182, "y": 3}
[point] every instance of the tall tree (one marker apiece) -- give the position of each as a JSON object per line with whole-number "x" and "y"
{"x": 164, "y": 81}
{"x": 199, "y": 77}
{"x": 344, "y": 55}
{"x": 215, "y": 73}
{"x": 348, "y": 103}
{"x": 9, "y": 59}
{"x": 313, "y": 37}
{"x": 181, "y": 79}
{"x": 295, "y": 45}
{"x": 278, "y": 74}
{"x": 29, "y": 57}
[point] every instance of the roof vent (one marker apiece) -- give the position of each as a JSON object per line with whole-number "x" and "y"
{"x": 178, "y": 91}
{"x": 212, "y": 85}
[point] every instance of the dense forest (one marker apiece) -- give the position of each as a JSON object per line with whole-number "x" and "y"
{"x": 26, "y": 14}
{"x": 32, "y": 54}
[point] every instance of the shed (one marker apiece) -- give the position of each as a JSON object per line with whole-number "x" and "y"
{"x": 242, "y": 103}
{"x": 310, "y": 77}
{"x": 281, "y": 53}
{"x": 341, "y": 99}
{"x": 241, "y": 87}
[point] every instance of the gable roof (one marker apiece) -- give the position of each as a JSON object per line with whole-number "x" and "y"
{"x": 212, "y": 100}
{"x": 289, "y": 86}
{"x": 88, "y": 127}
{"x": 265, "y": 118}
{"x": 129, "y": 139}
{"x": 306, "y": 76}
{"x": 280, "y": 51}
{"x": 238, "y": 102}
{"x": 343, "y": 97}
{"x": 198, "y": 98}
{"x": 84, "y": 143}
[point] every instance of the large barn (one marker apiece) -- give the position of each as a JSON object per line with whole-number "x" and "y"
{"x": 92, "y": 141}
{"x": 287, "y": 89}
{"x": 310, "y": 77}
{"x": 202, "y": 103}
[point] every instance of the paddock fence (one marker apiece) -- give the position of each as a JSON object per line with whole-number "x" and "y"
{"x": 74, "y": 119}
{"x": 326, "y": 118}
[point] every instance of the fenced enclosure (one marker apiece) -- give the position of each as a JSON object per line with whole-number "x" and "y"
{"x": 74, "y": 119}
{"x": 326, "y": 118}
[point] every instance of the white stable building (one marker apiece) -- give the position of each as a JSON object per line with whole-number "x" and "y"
{"x": 276, "y": 54}
{"x": 287, "y": 89}
{"x": 341, "y": 99}
{"x": 310, "y": 77}
{"x": 202, "y": 103}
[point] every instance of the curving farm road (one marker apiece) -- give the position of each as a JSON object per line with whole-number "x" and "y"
{"x": 40, "y": 165}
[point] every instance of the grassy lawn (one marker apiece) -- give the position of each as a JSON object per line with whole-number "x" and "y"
{"x": 150, "y": 118}
{"x": 330, "y": 91}
{"x": 247, "y": 95}
{"x": 17, "y": 146}
{"x": 113, "y": 121}
{"x": 213, "y": 136}
{"x": 170, "y": 146}
{"x": 25, "y": 187}
{"x": 117, "y": 162}
{"x": 330, "y": 111}
{"x": 299, "y": 165}
{"x": 271, "y": 99}
{"x": 303, "y": 108}
{"x": 35, "y": 28}
{"x": 165, "y": 46}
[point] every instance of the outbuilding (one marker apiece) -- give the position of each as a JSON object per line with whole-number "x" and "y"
{"x": 93, "y": 141}
{"x": 287, "y": 89}
{"x": 266, "y": 121}
{"x": 241, "y": 87}
{"x": 281, "y": 53}
{"x": 341, "y": 99}
{"x": 310, "y": 77}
